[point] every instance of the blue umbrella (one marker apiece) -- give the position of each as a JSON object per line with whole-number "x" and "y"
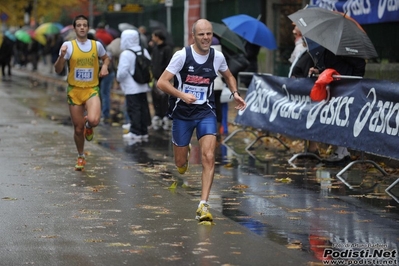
{"x": 252, "y": 30}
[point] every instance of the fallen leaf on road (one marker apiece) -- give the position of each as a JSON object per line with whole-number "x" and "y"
{"x": 118, "y": 244}
{"x": 295, "y": 244}
{"x": 178, "y": 244}
{"x": 172, "y": 258}
{"x": 283, "y": 180}
{"x": 232, "y": 233}
{"x": 294, "y": 218}
{"x": 232, "y": 203}
{"x": 93, "y": 240}
{"x": 276, "y": 196}
{"x": 204, "y": 244}
{"x": 8, "y": 198}
{"x": 299, "y": 210}
{"x": 141, "y": 232}
{"x": 133, "y": 251}
{"x": 343, "y": 212}
{"x": 241, "y": 186}
{"x": 49, "y": 236}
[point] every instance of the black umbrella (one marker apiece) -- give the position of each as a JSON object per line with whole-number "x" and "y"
{"x": 315, "y": 50}
{"x": 228, "y": 36}
{"x": 335, "y": 31}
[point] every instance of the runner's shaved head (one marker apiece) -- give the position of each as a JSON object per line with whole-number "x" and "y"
{"x": 200, "y": 22}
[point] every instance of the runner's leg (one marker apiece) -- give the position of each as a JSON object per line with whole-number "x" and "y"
{"x": 78, "y": 121}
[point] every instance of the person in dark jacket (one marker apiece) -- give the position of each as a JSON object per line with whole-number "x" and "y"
{"x": 6, "y": 53}
{"x": 344, "y": 65}
{"x": 252, "y": 51}
{"x": 161, "y": 55}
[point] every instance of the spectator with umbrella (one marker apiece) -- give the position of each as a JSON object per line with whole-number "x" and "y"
{"x": 21, "y": 47}
{"x": 6, "y": 53}
{"x": 344, "y": 65}
{"x": 252, "y": 30}
{"x": 347, "y": 46}
{"x": 299, "y": 47}
{"x": 257, "y": 35}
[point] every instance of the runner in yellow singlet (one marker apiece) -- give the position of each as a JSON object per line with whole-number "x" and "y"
{"x": 83, "y": 56}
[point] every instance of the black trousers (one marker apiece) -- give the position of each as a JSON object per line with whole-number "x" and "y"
{"x": 160, "y": 100}
{"x": 138, "y": 112}
{"x": 218, "y": 106}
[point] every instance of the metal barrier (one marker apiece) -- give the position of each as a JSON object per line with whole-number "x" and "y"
{"x": 265, "y": 134}
{"x": 388, "y": 190}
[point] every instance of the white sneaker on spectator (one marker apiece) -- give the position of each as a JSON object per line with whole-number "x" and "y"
{"x": 156, "y": 122}
{"x": 131, "y": 135}
{"x": 126, "y": 126}
{"x": 131, "y": 142}
{"x": 167, "y": 123}
{"x": 144, "y": 138}
{"x": 340, "y": 154}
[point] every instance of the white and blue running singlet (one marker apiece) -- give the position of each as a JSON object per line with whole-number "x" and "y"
{"x": 196, "y": 79}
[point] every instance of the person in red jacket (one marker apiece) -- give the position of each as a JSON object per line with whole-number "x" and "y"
{"x": 102, "y": 35}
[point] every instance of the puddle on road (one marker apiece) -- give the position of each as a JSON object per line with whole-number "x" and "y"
{"x": 293, "y": 204}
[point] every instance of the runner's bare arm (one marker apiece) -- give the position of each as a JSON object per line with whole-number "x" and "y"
{"x": 165, "y": 86}
{"x": 60, "y": 63}
{"x": 104, "y": 69}
{"x": 232, "y": 85}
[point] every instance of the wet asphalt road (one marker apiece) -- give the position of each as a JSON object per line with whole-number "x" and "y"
{"x": 293, "y": 211}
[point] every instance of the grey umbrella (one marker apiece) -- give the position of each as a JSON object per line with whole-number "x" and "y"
{"x": 335, "y": 31}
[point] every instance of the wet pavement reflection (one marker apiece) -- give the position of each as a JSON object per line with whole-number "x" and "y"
{"x": 301, "y": 205}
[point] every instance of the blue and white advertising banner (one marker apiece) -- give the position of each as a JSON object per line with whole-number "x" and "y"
{"x": 361, "y": 114}
{"x": 363, "y": 11}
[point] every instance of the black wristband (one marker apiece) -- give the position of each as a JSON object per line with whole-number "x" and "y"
{"x": 232, "y": 94}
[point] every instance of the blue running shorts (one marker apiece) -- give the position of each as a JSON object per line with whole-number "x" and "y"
{"x": 182, "y": 130}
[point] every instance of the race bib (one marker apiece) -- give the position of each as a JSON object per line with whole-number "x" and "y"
{"x": 84, "y": 74}
{"x": 197, "y": 91}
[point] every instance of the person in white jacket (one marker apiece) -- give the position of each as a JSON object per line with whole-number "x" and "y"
{"x": 135, "y": 93}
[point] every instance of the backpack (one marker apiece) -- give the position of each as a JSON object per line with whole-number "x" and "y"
{"x": 142, "y": 73}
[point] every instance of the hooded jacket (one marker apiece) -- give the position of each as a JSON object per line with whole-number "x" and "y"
{"x": 130, "y": 40}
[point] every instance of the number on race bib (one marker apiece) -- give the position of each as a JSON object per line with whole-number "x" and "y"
{"x": 198, "y": 91}
{"x": 84, "y": 74}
